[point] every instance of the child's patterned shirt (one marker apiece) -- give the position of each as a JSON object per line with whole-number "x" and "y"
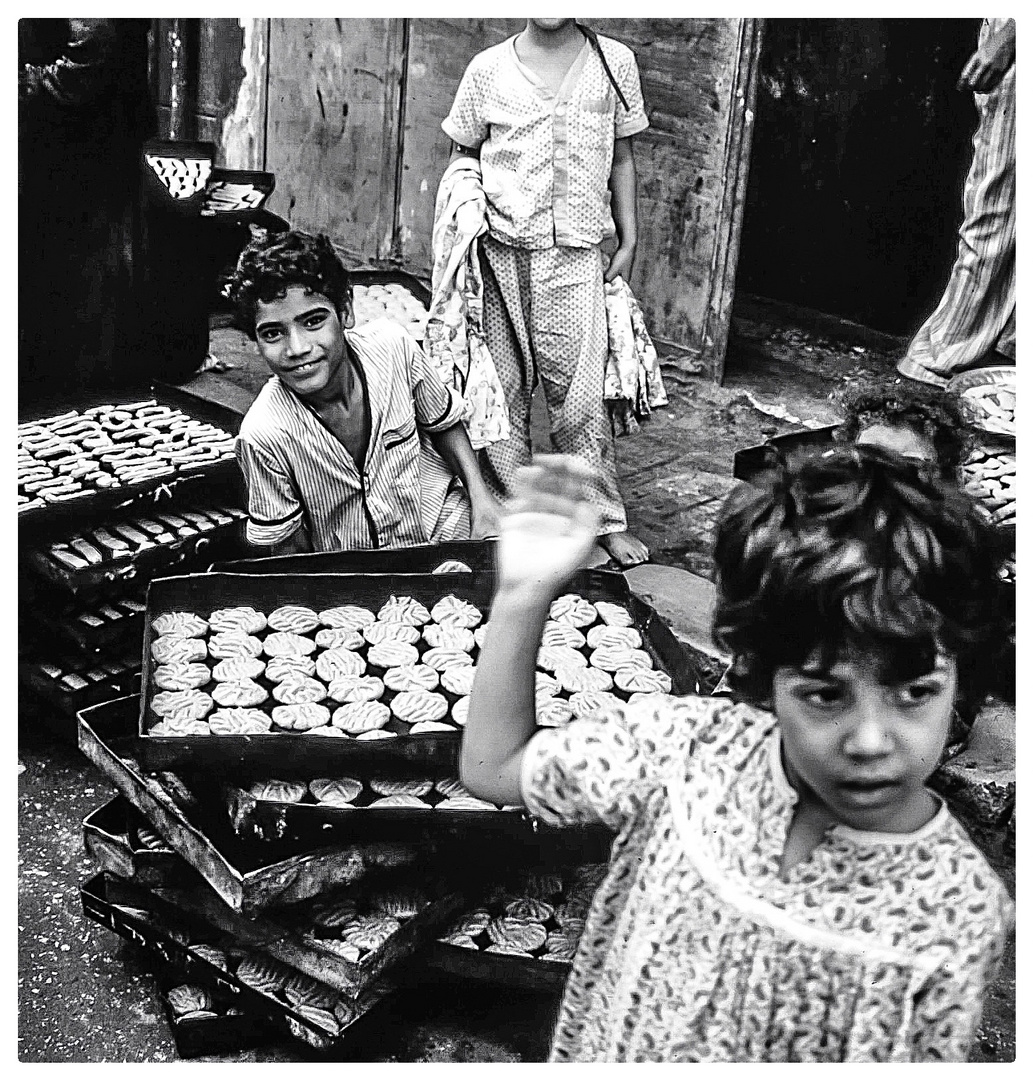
{"x": 546, "y": 159}
{"x": 877, "y": 947}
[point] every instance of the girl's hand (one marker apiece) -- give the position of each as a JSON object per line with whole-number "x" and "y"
{"x": 549, "y": 528}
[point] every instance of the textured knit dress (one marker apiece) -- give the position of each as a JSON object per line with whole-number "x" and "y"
{"x": 878, "y": 947}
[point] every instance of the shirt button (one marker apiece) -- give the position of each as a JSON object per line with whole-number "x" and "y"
{"x": 561, "y": 110}
{"x": 561, "y": 153}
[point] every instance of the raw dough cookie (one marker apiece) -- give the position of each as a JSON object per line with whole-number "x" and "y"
{"x": 376, "y": 733}
{"x": 238, "y": 667}
{"x": 361, "y": 716}
{"x": 558, "y": 633}
{"x": 263, "y": 974}
{"x": 293, "y": 618}
{"x": 329, "y": 730}
{"x": 407, "y": 802}
{"x": 545, "y": 685}
{"x": 215, "y": 957}
{"x": 181, "y": 676}
{"x": 178, "y": 650}
{"x": 181, "y": 624}
{"x": 448, "y": 637}
{"x": 514, "y": 933}
{"x": 400, "y": 903}
{"x": 411, "y": 706}
{"x": 428, "y": 727}
{"x": 239, "y": 722}
{"x": 614, "y": 636}
{"x": 301, "y": 717}
{"x": 183, "y": 704}
{"x": 614, "y": 614}
{"x": 242, "y": 694}
{"x": 453, "y": 611}
{"x": 390, "y": 654}
{"x": 458, "y": 680}
{"x": 334, "y": 663}
{"x": 188, "y": 998}
{"x": 346, "y": 617}
{"x": 572, "y": 609}
{"x": 479, "y": 634}
{"x": 245, "y": 619}
{"x": 574, "y": 678}
{"x": 379, "y": 632}
{"x": 351, "y": 688}
{"x": 443, "y": 659}
{"x": 291, "y": 791}
{"x": 388, "y": 785}
{"x": 460, "y": 711}
{"x": 551, "y": 657}
{"x": 234, "y": 643}
{"x": 411, "y": 677}
{"x": 339, "y": 638}
{"x": 587, "y": 702}
{"x": 369, "y": 932}
{"x": 340, "y": 792}
{"x": 553, "y": 712}
{"x": 299, "y": 691}
{"x": 529, "y": 907}
{"x": 612, "y": 657}
{"x": 283, "y": 668}
{"x": 464, "y": 802}
{"x": 642, "y": 680}
{"x": 178, "y": 728}
{"x": 287, "y": 643}
{"x": 450, "y": 787}
{"x": 404, "y": 609}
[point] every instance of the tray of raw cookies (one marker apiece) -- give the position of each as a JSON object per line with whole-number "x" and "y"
{"x": 523, "y": 933}
{"x": 248, "y": 873}
{"x": 81, "y": 464}
{"x": 291, "y": 1001}
{"x": 296, "y": 676}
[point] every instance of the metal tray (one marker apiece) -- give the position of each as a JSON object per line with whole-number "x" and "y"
{"x": 285, "y": 754}
{"x": 419, "y": 559}
{"x": 50, "y": 521}
{"x": 389, "y": 277}
{"x": 1004, "y": 376}
{"x": 113, "y": 576}
{"x": 163, "y": 931}
{"x": 516, "y": 972}
{"x": 37, "y": 675}
{"x": 249, "y": 876}
{"x": 110, "y": 839}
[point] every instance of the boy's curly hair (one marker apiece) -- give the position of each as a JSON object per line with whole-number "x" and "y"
{"x": 854, "y": 551}
{"x": 926, "y": 410}
{"x": 270, "y": 264}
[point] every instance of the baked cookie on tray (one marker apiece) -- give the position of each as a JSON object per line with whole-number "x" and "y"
{"x": 448, "y": 637}
{"x": 559, "y": 633}
{"x": 412, "y": 706}
{"x": 430, "y": 727}
{"x": 183, "y": 624}
{"x": 642, "y": 680}
{"x": 389, "y": 785}
{"x": 361, "y": 716}
{"x": 239, "y": 722}
{"x": 612, "y": 657}
{"x": 181, "y": 676}
{"x": 586, "y": 702}
{"x": 299, "y": 690}
{"x": 289, "y": 791}
{"x": 303, "y": 717}
{"x": 458, "y": 680}
{"x": 182, "y": 704}
{"x": 441, "y": 659}
{"x": 293, "y": 618}
{"x": 573, "y": 678}
{"x": 342, "y": 791}
{"x": 404, "y": 609}
{"x": 411, "y": 677}
{"x": 288, "y": 643}
{"x": 403, "y": 902}
{"x": 169, "y": 649}
{"x": 282, "y": 668}
{"x": 340, "y": 638}
{"x": 348, "y": 689}
{"x": 369, "y": 932}
{"x": 245, "y": 619}
{"x": 614, "y": 614}
{"x": 379, "y": 632}
{"x": 464, "y": 802}
{"x": 553, "y": 712}
{"x": 453, "y": 611}
{"x": 573, "y": 609}
{"x": 389, "y": 654}
{"x": 334, "y": 663}
{"x": 238, "y": 667}
{"x": 374, "y": 734}
{"x": 403, "y": 802}
{"x": 230, "y": 643}
{"x": 346, "y": 617}
{"x": 460, "y": 711}
{"x": 614, "y": 636}
{"x": 169, "y": 728}
{"x": 551, "y": 657}
{"x": 241, "y": 694}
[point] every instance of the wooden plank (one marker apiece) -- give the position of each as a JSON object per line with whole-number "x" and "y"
{"x": 439, "y": 50}
{"x": 332, "y": 134}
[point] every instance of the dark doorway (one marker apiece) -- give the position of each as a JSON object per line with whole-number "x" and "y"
{"x": 860, "y": 151}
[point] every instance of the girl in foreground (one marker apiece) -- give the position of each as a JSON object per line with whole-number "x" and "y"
{"x": 783, "y": 886}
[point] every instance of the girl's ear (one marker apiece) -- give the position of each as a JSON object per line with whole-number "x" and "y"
{"x": 346, "y": 313}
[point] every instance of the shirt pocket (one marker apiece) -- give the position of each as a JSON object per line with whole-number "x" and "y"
{"x": 395, "y": 437}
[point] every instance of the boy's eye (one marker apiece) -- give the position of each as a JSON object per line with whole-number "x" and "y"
{"x": 315, "y": 321}
{"x": 822, "y": 696}
{"x": 918, "y": 693}
{"x": 271, "y": 334}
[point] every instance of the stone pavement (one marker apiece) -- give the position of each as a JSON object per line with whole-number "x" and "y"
{"x": 84, "y": 996}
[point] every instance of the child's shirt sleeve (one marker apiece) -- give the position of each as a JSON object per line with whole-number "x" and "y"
{"x": 603, "y": 769}
{"x": 947, "y": 1010}
{"x": 437, "y": 406}
{"x": 274, "y": 507}
{"x": 465, "y": 123}
{"x": 633, "y": 120}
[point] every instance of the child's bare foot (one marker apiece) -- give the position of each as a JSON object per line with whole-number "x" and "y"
{"x": 624, "y": 548}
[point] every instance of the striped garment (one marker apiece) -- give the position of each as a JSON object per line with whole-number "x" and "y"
{"x": 297, "y": 472}
{"x": 976, "y": 314}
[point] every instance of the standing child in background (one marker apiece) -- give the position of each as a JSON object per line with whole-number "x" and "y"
{"x": 783, "y": 885}
{"x": 551, "y": 113}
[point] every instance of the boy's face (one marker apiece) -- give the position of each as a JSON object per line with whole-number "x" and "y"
{"x": 301, "y": 338}
{"x": 862, "y": 749}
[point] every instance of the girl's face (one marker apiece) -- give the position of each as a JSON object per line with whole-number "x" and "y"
{"x": 863, "y": 749}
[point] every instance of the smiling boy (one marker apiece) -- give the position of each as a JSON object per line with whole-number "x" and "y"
{"x": 355, "y": 442}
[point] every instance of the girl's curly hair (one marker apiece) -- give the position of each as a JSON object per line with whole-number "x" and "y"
{"x": 270, "y": 264}
{"x": 926, "y": 410}
{"x": 855, "y": 550}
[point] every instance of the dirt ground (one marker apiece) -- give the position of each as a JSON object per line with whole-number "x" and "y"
{"x": 85, "y": 996}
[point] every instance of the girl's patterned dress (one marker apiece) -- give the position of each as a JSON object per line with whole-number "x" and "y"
{"x": 878, "y": 947}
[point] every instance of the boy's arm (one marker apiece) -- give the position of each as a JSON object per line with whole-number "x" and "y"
{"x": 624, "y": 199}
{"x": 453, "y": 444}
{"x": 988, "y": 65}
{"x": 544, "y": 538}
